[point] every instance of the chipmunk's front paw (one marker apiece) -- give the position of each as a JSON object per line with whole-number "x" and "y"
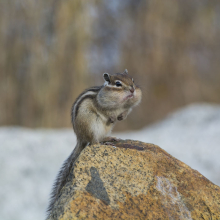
{"x": 122, "y": 116}
{"x": 112, "y": 119}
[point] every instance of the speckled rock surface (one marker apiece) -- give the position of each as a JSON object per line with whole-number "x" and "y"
{"x": 135, "y": 181}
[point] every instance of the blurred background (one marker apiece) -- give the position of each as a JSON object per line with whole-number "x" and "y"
{"x": 50, "y": 51}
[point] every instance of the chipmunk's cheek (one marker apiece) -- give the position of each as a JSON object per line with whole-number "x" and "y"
{"x": 138, "y": 95}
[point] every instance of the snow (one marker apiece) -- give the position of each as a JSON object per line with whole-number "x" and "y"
{"x": 30, "y": 159}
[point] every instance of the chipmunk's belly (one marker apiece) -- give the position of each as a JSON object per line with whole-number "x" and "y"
{"x": 100, "y": 127}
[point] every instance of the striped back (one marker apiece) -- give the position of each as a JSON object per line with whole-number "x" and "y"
{"x": 87, "y": 94}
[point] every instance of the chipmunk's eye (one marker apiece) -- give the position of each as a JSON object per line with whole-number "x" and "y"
{"x": 118, "y": 83}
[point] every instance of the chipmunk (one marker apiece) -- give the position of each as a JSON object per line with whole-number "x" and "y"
{"x": 94, "y": 114}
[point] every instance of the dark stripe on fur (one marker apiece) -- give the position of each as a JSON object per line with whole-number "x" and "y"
{"x": 86, "y": 97}
{"x": 92, "y": 89}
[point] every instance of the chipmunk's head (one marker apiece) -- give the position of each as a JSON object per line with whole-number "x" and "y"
{"x": 119, "y": 90}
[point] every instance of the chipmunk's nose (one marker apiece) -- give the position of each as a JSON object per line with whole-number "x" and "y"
{"x": 132, "y": 89}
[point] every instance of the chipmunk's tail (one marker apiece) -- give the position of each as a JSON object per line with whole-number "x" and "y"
{"x": 63, "y": 174}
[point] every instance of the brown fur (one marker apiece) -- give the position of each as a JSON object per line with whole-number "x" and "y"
{"x": 94, "y": 114}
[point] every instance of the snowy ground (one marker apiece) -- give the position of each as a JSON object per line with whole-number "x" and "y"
{"x": 30, "y": 159}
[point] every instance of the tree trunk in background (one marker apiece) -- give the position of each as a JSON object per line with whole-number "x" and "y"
{"x": 42, "y": 62}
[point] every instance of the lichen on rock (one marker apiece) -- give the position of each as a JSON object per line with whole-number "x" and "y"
{"x": 135, "y": 180}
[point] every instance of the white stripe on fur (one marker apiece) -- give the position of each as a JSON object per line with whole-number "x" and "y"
{"x": 82, "y": 96}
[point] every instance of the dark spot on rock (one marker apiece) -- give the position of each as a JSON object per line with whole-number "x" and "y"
{"x": 77, "y": 214}
{"x": 96, "y": 186}
{"x": 130, "y": 146}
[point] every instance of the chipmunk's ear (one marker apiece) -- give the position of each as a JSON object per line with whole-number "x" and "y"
{"x": 106, "y": 77}
{"x": 125, "y": 72}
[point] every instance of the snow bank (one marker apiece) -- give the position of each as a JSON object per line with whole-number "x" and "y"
{"x": 30, "y": 159}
